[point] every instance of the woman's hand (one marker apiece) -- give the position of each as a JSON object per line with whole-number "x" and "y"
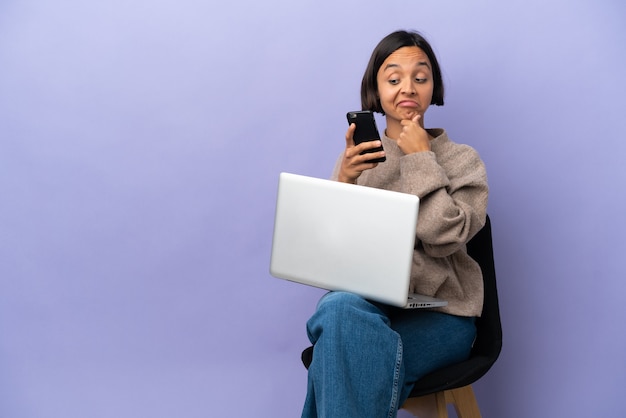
{"x": 413, "y": 137}
{"x": 353, "y": 163}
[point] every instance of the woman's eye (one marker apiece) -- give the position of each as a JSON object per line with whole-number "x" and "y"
{"x": 394, "y": 81}
{"x": 421, "y": 80}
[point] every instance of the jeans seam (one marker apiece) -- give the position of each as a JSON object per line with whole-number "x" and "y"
{"x": 396, "y": 381}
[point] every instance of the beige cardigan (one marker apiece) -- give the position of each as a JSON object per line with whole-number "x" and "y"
{"x": 451, "y": 182}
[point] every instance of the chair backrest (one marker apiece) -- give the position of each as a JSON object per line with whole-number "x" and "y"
{"x": 489, "y": 329}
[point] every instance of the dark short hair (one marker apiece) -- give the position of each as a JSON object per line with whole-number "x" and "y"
{"x": 387, "y": 46}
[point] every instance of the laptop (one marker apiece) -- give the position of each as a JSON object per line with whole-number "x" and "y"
{"x": 345, "y": 237}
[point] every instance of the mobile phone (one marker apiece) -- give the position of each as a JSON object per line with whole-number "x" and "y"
{"x": 366, "y": 130}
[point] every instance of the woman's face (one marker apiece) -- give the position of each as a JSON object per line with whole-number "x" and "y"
{"x": 405, "y": 85}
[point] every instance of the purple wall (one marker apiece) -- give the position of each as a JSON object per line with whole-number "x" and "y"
{"x": 140, "y": 144}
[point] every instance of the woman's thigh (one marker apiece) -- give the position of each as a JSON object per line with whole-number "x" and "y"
{"x": 432, "y": 340}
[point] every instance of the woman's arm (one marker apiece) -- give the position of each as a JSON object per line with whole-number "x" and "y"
{"x": 453, "y": 191}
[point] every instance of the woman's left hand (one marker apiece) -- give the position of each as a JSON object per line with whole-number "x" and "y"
{"x": 413, "y": 137}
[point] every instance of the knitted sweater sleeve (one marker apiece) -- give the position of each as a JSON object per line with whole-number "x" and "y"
{"x": 451, "y": 182}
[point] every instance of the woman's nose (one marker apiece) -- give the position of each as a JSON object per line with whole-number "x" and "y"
{"x": 407, "y": 86}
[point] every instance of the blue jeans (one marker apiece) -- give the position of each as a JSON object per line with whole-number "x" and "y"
{"x": 367, "y": 356}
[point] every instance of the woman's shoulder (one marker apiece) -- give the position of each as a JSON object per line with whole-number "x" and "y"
{"x": 441, "y": 139}
{"x": 448, "y": 150}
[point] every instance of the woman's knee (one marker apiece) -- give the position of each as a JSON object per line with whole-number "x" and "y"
{"x": 343, "y": 312}
{"x": 339, "y": 300}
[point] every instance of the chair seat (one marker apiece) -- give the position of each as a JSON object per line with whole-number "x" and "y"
{"x": 450, "y": 377}
{"x": 307, "y": 356}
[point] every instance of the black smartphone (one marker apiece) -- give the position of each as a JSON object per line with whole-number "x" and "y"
{"x": 366, "y": 130}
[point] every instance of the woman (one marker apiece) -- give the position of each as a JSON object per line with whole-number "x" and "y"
{"x": 367, "y": 356}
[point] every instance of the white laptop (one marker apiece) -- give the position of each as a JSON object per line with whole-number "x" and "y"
{"x": 340, "y": 236}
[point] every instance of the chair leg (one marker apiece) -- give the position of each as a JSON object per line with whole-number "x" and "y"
{"x": 429, "y": 406}
{"x": 435, "y": 405}
{"x": 464, "y": 402}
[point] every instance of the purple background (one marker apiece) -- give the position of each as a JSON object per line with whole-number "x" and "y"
{"x": 140, "y": 144}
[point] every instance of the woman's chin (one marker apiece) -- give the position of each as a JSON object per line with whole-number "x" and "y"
{"x": 409, "y": 114}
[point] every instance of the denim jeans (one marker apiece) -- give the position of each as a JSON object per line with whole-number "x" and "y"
{"x": 367, "y": 356}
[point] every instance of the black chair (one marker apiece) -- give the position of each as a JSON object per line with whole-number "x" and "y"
{"x": 452, "y": 384}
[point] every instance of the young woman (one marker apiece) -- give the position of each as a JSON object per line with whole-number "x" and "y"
{"x": 367, "y": 356}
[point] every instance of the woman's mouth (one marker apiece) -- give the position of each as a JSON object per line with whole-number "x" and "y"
{"x": 408, "y": 103}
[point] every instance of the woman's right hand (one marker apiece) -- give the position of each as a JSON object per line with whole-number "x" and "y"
{"x": 353, "y": 163}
